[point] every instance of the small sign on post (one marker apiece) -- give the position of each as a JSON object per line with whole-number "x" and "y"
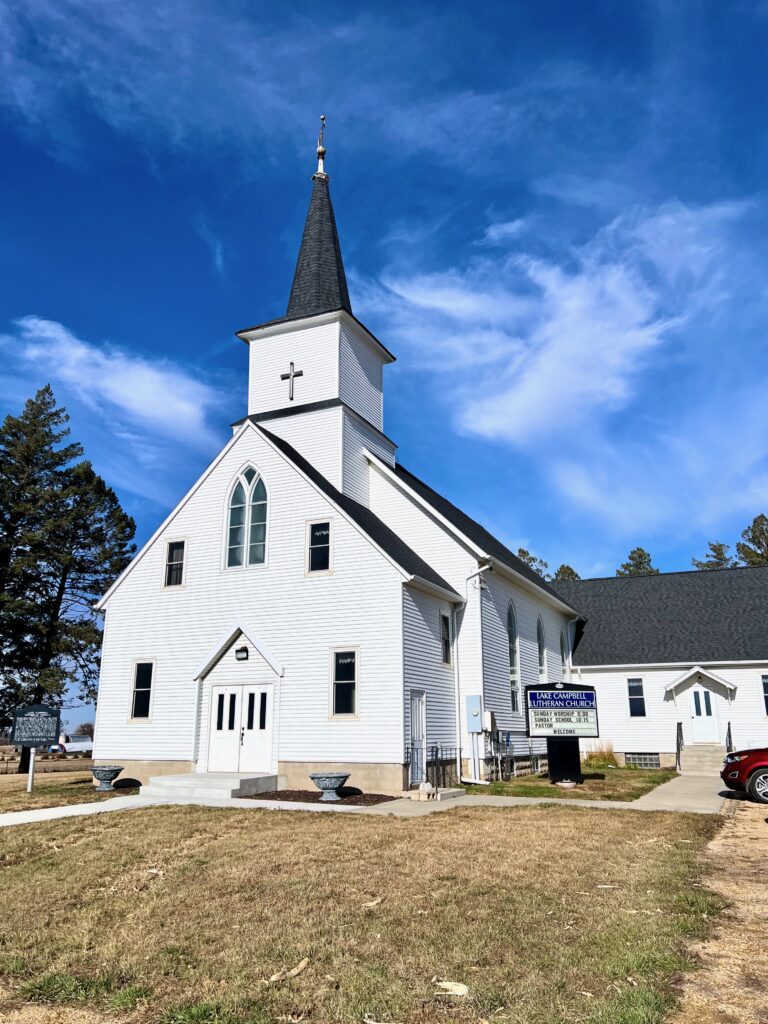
{"x": 35, "y": 726}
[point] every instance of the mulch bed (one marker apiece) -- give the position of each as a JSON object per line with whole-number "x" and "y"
{"x": 308, "y": 796}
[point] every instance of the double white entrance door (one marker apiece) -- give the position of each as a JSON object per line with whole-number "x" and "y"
{"x": 240, "y": 729}
{"x": 704, "y": 727}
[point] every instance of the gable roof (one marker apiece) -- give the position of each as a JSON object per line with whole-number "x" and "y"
{"x": 319, "y": 282}
{"x": 367, "y": 521}
{"x": 476, "y": 533}
{"x": 677, "y": 617}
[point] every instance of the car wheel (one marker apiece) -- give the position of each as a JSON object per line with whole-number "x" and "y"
{"x": 758, "y": 786}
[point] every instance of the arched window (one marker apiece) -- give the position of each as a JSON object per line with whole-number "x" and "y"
{"x": 514, "y": 659}
{"x": 541, "y": 640}
{"x": 563, "y": 653}
{"x": 247, "y": 528}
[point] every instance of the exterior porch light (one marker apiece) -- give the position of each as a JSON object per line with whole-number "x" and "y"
{"x": 241, "y": 654}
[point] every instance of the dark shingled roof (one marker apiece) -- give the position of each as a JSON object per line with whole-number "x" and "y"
{"x": 368, "y": 522}
{"x": 319, "y": 283}
{"x": 684, "y": 617}
{"x": 475, "y": 532}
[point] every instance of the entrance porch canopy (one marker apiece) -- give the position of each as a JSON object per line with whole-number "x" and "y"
{"x": 697, "y": 670}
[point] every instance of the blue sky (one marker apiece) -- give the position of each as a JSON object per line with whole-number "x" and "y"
{"x": 553, "y": 213}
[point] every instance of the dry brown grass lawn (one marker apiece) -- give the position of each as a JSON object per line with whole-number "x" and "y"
{"x": 180, "y": 915}
{"x": 732, "y": 986}
{"x": 52, "y": 790}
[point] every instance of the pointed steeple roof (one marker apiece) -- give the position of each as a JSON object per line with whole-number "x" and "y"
{"x": 319, "y": 282}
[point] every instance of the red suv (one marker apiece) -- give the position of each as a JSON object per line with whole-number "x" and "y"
{"x": 747, "y": 772}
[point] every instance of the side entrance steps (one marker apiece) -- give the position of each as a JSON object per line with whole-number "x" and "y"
{"x": 216, "y": 785}
{"x": 702, "y": 759}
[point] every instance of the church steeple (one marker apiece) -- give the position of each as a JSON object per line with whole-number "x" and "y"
{"x": 319, "y": 282}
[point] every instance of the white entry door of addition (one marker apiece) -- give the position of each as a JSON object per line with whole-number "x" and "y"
{"x": 418, "y": 736}
{"x": 240, "y": 729}
{"x": 704, "y": 727}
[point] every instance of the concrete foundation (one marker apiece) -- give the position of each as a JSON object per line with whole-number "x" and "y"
{"x": 390, "y": 779}
{"x": 144, "y": 770}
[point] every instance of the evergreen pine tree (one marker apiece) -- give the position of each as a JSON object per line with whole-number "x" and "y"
{"x": 718, "y": 557}
{"x": 63, "y": 540}
{"x": 565, "y": 572}
{"x": 537, "y": 564}
{"x": 638, "y": 563}
{"x": 753, "y": 546}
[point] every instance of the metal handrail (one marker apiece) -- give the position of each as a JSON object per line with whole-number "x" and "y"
{"x": 679, "y": 744}
{"x": 729, "y": 740}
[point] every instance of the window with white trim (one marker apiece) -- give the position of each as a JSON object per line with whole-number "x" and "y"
{"x": 765, "y": 693}
{"x": 541, "y": 643}
{"x": 344, "y": 683}
{"x": 445, "y": 638}
{"x": 142, "y": 689}
{"x": 319, "y": 547}
{"x": 247, "y": 522}
{"x": 513, "y": 642}
{"x": 636, "y": 696}
{"x": 174, "y": 563}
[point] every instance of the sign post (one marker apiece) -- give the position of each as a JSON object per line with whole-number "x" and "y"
{"x": 35, "y": 726}
{"x": 562, "y": 714}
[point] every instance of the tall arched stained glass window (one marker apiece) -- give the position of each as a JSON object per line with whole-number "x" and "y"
{"x": 541, "y": 642}
{"x": 247, "y": 525}
{"x": 514, "y": 658}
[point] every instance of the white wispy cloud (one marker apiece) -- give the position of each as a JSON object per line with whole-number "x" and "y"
{"x": 560, "y": 357}
{"x": 140, "y": 417}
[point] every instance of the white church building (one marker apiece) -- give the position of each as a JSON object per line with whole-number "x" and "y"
{"x": 311, "y": 605}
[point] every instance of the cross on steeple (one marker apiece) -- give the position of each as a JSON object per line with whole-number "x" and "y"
{"x": 290, "y": 377}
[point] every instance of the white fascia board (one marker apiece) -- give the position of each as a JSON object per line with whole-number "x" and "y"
{"x": 431, "y": 588}
{"x": 362, "y": 331}
{"x": 639, "y": 665}
{"x": 224, "y": 645}
{"x": 699, "y": 670}
{"x": 406, "y": 575}
{"x": 471, "y": 546}
{"x": 99, "y": 605}
{"x": 338, "y": 316}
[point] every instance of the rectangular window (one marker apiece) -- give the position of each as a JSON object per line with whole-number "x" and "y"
{"x": 220, "y": 713}
{"x": 263, "y": 712}
{"x": 445, "y": 638}
{"x": 344, "y": 682}
{"x": 251, "y": 709}
{"x": 319, "y": 545}
{"x": 174, "y": 563}
{"x": 232, "y": 710}
{"x": 142, "y": 689}
{"x": 514, "y": 696}
{"x": 765, "y": 693}
{"x": 636, "y": 698}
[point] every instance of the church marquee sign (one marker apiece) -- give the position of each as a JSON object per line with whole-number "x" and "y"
{"x": 561, "y": 712}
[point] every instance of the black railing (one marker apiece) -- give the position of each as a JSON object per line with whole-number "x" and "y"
{"x": 439, "y": 764}
{"x": 679, "y": 746}
{"x": 729, "y": 740}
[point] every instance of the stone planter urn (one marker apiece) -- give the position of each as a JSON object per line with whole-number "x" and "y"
{"x": 105, "y": 775}
{"x": 329, "y": 783}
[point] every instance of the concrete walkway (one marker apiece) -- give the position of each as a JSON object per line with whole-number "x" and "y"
{"x": 694, "y": 794}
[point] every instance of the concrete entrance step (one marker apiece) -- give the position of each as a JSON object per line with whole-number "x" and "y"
{"x": 218, "y": 785}
{"x": 702, "y": 759}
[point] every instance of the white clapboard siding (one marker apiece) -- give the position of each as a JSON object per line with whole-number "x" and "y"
{"x": 496, "y": 599}
{"x": 357, "y": 437}
{"x": 439, "y": 548}
{"x": 316, "y": 435}
{"x": 657, "y": 732}
{"x": 313, "y": 350}
{"x": 360, "y": 376}
{"x": 423, "y": 668}
{"x": 299, "y": 618}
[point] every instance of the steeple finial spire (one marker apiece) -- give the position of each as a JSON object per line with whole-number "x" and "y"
{"x": 321, "y": 147}
{"x": 319, "y": 282}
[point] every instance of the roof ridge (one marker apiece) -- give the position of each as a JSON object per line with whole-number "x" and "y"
{"x": 656, "y": 575}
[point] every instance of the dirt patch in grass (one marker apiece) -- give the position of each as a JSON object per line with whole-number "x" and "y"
{"x": 304, "y": 796}
{"x": 52, "y": 790}
{"x": 189, "y": 915}
{"x": 609, "y": 784}
{"x": 732, "y": 987}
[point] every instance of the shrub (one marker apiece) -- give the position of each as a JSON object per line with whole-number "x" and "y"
{"x": 601, "y": 757}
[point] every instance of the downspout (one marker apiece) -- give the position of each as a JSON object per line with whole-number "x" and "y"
{"x": 457, "y": 687}
{"x": 486, "y": 566}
